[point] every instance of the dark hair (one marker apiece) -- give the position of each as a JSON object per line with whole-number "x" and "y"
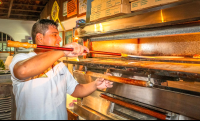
{"x": 41, "y": 26}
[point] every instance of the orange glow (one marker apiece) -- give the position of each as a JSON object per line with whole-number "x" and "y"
{"x": 1, "y": 2}
{"x": 95, "y": 28}
{"x": 162, "y": 17}
{"x": 37, "y": 1}
{"x": 98, "y": 27}
{"x": 76, "y": 38}
{"x": 101, "y": 27}
{"x": 128, "y": 46}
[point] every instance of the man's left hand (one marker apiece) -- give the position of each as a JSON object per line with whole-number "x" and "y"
{"x": 103, "y": 84}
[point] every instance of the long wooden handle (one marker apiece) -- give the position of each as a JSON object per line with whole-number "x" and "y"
{"x": 119, "y": 79}
{"x": 27, "y": 45}
{"x": 136, "y": 108}
{"x": 20, "y": 44}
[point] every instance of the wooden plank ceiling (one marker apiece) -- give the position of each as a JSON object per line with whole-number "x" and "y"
{"x": 21, "y": 9}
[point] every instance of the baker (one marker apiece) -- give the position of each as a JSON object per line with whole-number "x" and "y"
{"x": 40, "y": 83}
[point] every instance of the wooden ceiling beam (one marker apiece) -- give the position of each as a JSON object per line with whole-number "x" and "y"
{"x": 21, "y": 10}
{"x": 10, "y": 8}
{"x": 34, "y": 0}
{"x": 33, "y": 19}
{"x": 41, "y": 6}
{"x": 27, "y": 10}
{"x": 3, "y": 13}
{"x": 5, "y": 3}
{"x": 3, "y": 8}
{"x": 41, "y": 0}
{"x": 25, "y": 15}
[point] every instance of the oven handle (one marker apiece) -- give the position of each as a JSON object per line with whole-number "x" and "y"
{"x": 120, "y": 79}
{"x": 136, "y": 108}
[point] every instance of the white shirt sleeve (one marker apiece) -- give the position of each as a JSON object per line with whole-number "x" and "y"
{"x": 16, "y": 59}
{"x": 71, "y": 83}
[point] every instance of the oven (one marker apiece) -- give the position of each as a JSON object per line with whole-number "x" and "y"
{"x": 160, "y": 79}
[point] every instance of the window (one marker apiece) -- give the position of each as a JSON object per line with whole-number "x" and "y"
{"x": 68, "y": 37}
{"x": 3, "y": 43}
{"x": 61, "y": 35}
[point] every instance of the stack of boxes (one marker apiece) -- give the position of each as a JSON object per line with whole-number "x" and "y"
{"x": 107, "y": 8}
{"x": 142, "y": 4}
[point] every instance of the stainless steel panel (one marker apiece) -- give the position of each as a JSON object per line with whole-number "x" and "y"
{"x": 179, "y": 13}
{"x": 183, "y": 45}
{"x": 5, "y": 76}
{"x": 133, "y": 114}
{"x": 183, "y": 104}
{"x": 95, "y": 102}
{"x": 5, "y": 81}
{"x": 89, "y": 114}
{"x": 179, "y": 45}
{"x": 5, "y": 90}
{"x": 5, "y": 108}
{"x": 180, "y": 117}
{"x": 162, "y": 31}
{"x": 7, "y": 101}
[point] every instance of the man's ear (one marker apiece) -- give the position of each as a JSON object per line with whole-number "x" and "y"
{"x": 39, "y": 38}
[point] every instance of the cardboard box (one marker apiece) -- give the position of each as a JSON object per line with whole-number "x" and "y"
{"x": 142, "y": 4}
{"x": 95, "y": 3}
{"x": 120, "y": 9}
{"x": 105, "y": 4}
{"x": 132, "y": 0}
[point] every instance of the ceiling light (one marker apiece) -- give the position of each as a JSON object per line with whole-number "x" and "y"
{"x": 1, "y": 2}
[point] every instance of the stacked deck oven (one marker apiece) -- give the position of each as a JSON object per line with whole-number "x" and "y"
{"x": 161, "y": 80}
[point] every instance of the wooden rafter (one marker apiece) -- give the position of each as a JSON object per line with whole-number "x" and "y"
{"x": 27, "y": 10}
{"x": 5, "y": 2}
{"x": 10, "y": 8}
{"x": 29, "y": 5}
{"x": 32, "y": 19}
{"x": 3, "y": 8}
{"x": 3, "y": 13}
{"x": 19, "y": 10}
{"x": 25, "y": 15}
{"x": 42, "y": 0}
{"x": 35, "y": 0}
{"x": 25, "y": 4}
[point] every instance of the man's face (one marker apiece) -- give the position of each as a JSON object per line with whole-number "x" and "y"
{"x": 51, "y": 37}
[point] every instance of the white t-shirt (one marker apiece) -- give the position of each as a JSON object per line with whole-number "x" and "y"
{"x": 42, "y": 98}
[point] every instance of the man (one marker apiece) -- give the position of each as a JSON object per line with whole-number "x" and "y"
{"x": 40, "y": 83}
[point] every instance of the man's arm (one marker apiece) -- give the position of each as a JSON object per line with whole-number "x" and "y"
{"x": 38, "y": 64}
{"x": 83, "y": 90}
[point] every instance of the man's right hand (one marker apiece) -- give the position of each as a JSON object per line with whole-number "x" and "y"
{"x": 78, "y": 50}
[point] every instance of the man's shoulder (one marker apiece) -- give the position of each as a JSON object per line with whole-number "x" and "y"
{"x": 24, "y": 55}
{"x": 21, "y": 56}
